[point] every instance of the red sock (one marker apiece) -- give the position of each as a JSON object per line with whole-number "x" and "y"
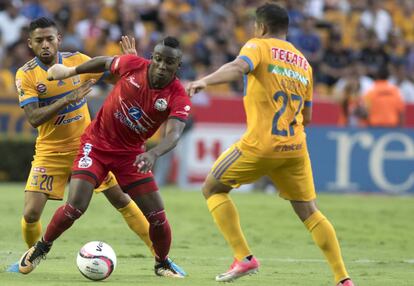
{"x": 160, "y": 233}
{"x": 63, "y": 219}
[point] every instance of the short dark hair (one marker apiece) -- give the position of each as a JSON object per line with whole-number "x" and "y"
{"x": 42, "y": 22}
{"x": 171, "y": 42}
{"x": 275, "y": 17}
{"x": 382, "y": 73}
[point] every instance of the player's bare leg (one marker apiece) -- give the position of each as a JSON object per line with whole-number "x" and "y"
{"x": 80, "y": 194}
{"x": 131, "y": 214}
{"x": 324, "y": 237}
{"x": 152, "y": 206}
{"x": 227, "y": 219}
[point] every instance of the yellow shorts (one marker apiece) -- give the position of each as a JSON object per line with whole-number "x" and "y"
{"x": 50, "y": 174}
{"x": 292, "y": 176}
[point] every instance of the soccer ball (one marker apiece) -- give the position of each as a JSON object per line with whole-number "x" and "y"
{"x": 96, "y": 260}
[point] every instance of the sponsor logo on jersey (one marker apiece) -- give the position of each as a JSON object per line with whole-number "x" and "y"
{"x": 61, "y": 120}
{"x": 19, "y": 87}
{"x": 161, "y": 104}
{"x": 288, "y": 73}
{"x": 135, "y": 112}
{"x": 61, "y": 82}
{"x": 86, "y": 161}
{"x": 291, "y": 147}
{"x": 41, "y": 88}
{"x": 131, "y": 80}
{"x": 75, "y": 80}
{"x": 134, "y": 126}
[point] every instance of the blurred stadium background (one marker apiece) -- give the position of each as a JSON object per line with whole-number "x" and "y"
{"x": 347, "y": 41}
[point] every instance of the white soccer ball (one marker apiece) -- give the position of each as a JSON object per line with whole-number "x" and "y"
{"x": 96, "y": 260}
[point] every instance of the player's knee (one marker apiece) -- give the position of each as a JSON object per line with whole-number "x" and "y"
{"x": 31, "y": 215}
{"x": 156, "y": 218}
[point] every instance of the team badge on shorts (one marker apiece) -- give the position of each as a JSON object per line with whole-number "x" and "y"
{"x": 86, "y": 161}
{"x": 161, "y": 104}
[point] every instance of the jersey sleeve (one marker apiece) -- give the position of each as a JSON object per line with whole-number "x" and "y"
{"x": 121, "y": 65}
{"x": 251, "y": 53}
{"x": 99, "y": 77}
{"x": 180, "y": 107}
{"x": 25, "y": 89}
{"x": 309, "y": 92}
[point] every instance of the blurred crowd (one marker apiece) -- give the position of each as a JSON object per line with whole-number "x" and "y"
{"x": 349, "y": 42}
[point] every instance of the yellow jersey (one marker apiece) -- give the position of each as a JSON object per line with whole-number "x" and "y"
{"x": 277, "y": 87}
{"x": 62, "y": 132}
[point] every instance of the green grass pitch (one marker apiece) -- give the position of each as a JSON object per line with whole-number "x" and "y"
{"x": 376, "y": 234}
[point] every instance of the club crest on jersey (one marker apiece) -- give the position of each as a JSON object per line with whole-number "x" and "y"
{"x": 41, "y": 88}
{"x": 135, "y": 113}
{"x": 161, "y": 104}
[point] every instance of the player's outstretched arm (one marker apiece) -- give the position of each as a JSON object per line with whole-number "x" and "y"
{"x": 173, "y": 130}
{"x": 226, "y": 73}
{"x": 94, "y": 65}
{"x": 38, "y": 115}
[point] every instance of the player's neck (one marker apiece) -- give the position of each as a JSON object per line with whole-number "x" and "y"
{"x": 275, "y": 36}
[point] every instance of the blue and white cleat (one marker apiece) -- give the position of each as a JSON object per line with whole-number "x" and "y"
{"x": 177, "y": 268}
{"x": 14, "y": 268}
{"x": 168, "y": 268}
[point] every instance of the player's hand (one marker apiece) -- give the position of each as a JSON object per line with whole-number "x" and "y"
{"x": 145, "y": 161}
{"x": 128, "y": 45}
{"x": 59, "y": 71}
{"x": 195, "y": 86}
{"x": 79, "y": 93}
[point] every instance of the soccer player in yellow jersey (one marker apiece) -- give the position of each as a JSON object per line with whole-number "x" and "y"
{"x": 59, "y": 111}
{"x": 278, "y": 101}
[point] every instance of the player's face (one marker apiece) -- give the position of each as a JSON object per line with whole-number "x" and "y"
{"x": 164, "y": 65}
{"x": 45, "y": 42}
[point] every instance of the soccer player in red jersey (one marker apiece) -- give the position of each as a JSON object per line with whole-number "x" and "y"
{"x": 146, "y": 95}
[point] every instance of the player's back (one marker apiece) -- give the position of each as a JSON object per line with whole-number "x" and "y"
{"x": 277, "y": 88}
{"x": 62, "y": 132}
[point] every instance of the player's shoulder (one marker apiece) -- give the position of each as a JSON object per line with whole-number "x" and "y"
{"x": 28, "y": 66}
{"x": 254, "y": 43}
{"x": 73, "y": 58}
{"x": 66, "y": 55}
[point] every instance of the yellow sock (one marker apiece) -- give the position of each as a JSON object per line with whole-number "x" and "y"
{"x": 137, "y": 223}
{"x": 227, "y": 219}
{"x": 31, "y": 232}
{"x": 324, "y": 236}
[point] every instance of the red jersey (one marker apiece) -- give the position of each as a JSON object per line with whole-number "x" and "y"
{"x": 133, "y": 111}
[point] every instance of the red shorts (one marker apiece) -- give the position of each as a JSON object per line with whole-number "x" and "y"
{"x": 93, "y": 165}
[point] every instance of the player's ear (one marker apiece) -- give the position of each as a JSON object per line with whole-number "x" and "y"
{"x": 59, "y": 38}
{"x": 29, "y": 43}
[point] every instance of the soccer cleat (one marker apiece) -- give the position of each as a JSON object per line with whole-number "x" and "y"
{"x": 33, "y": 256}
{"x": 239, "y": 269}
{"x": 14, "y": 268}
{"x": 169, "y": 269}
{"x": 177, "y": 268}
{"x": 347, "y": 282}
